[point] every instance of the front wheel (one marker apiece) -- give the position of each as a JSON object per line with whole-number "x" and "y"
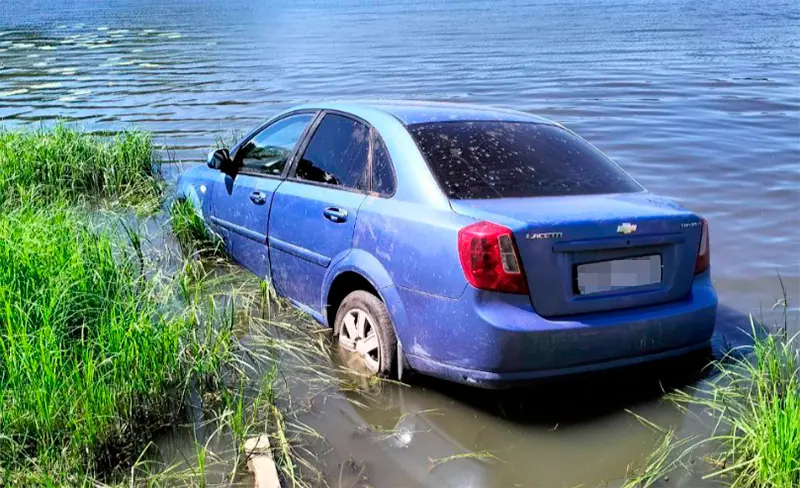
{"x": 366, "y": 335}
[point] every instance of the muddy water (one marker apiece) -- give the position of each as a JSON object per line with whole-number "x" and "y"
{"x": 699, "y": 101}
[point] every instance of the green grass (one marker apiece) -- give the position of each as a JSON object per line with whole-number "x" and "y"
{"x": 754, "y": 402}
{"x": 191, "y": 232}
{"x": 107, "y": 332}
{"x": 64, "y": 161}
{"x": 90, "y": 359}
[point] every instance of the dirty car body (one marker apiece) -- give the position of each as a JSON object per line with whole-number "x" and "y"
{"x": 504, "y": 247}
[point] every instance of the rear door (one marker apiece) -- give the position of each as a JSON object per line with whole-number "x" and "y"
{"x": 241, "y": 205}
{"x": 314, "y": 212}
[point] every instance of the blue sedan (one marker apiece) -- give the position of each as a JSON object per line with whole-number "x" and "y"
{"x": 480, "y": 245}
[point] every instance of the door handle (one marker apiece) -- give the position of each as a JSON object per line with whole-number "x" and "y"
{"x": 258, "y": 198}
{"x": 335, "y": 214}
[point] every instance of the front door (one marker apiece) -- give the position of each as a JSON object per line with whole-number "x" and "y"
{"x": 241, "y": 204}
{"x": 314, "y": 211}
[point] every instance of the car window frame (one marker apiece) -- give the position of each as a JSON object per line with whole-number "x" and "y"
{"x": 290, "y": 160}
{"x": 292, "y": 175}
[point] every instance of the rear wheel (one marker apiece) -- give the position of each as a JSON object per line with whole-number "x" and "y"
{"x": 365, "y": 334}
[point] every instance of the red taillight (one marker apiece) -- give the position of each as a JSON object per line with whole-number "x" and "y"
{"x": 489, "y": 258}
{"x": 704, "y": 251}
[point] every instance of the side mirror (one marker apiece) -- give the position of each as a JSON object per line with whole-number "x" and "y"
{"x": 220, "y": 159}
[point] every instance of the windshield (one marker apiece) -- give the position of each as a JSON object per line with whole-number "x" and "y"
{"x": 492, "y": 159}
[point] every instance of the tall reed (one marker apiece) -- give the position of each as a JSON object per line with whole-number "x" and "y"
{"x": 754, "y": 401}
{"x": 91, "y": 359}
{"x": 78, "y": 165}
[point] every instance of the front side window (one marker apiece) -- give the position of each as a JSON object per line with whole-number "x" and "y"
{"x": 269, "y": 151}
{"x": 492, "y": 159}
{"x": 337, "y": 154}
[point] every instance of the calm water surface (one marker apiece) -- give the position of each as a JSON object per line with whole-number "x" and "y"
{"x": 700, "y": 101}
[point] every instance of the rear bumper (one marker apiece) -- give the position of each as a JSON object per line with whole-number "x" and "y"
{"x": 490, "y": 380}
{"x": 494, "y": 339}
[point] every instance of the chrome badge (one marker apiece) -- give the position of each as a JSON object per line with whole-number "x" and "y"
{"x": 626, "y": 228}
{"x": 544, "y": 235}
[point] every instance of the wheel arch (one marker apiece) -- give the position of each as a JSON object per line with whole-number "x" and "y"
{"x": 342, "y": 285}
{"x": 360, "y": 270}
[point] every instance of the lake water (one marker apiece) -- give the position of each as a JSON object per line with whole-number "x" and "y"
{"x": 700, "y": 101}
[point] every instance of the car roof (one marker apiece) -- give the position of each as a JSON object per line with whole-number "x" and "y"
{"x": 411, "y": 112}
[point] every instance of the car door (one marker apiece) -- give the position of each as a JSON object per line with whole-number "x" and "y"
{"x": 241, "y": 204}
{"x": 314, "y": 211}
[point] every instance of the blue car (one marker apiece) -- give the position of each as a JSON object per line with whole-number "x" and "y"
{"x": 484, "y": 246}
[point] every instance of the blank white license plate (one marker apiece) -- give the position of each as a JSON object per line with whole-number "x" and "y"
{"x": 618, "y": 274}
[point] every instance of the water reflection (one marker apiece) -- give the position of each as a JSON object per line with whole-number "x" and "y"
{"x": 558, "y": 433}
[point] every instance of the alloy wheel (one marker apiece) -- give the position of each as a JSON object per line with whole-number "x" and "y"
{"x": 359, "y": 335}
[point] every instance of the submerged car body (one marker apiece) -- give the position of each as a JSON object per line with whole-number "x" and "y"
{"x": 503, "y": 247}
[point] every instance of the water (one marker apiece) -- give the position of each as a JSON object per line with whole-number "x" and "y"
{"x": 699, "y": 101}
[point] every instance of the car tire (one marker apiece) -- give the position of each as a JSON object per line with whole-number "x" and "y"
{"x": 376, "y": 321}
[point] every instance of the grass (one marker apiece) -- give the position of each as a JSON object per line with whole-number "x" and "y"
{"x": 477, "y": 455}
{"x": 99, "y": 351}
{"x": 191, "y": 232}
{"x": 754, "y": 401}
{"x": 65, "y": 161}
{"x": 90, "y": 358}
{"x": 106, "y": 335}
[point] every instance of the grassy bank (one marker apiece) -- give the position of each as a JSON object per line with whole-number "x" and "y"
{"x": 754, "y": 404}
{"x": 90, "y": 360}
{"x": 108, "y": 331}
{"x": 65, "y": 161}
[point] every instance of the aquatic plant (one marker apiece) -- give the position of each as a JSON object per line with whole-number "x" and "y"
{"x": 79, "y": 165}
{"x": 190, "y": 230}
{"x": 754, "y": 401}
{"x": 91, "y": 359}
{"x": 108, "y": 332}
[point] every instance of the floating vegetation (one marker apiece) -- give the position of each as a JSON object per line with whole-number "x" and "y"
{"x": 478, "y": 455}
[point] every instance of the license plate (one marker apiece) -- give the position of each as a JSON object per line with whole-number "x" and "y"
{"x": 618, "y": 274}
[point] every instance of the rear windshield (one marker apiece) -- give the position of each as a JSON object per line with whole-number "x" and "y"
{"x": 491, "y": 159}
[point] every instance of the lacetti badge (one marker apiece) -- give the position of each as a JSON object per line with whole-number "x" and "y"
{"x": 626, "y": 228}
{"x": 543, "y": 235}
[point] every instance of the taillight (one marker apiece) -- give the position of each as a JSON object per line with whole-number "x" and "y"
{"x": 704, "y": 251}
{"x": 489, "y": 258}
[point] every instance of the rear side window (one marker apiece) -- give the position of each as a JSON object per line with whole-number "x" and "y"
{"x": 382, "y": 172}
{"x": 337, "y": 154}
{"x": 491, "y": 159}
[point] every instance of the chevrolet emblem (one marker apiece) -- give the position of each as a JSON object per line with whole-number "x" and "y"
{"x": 626, "y": 228}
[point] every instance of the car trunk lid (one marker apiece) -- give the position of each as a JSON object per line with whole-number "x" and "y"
{"x": 597, "y": 253}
